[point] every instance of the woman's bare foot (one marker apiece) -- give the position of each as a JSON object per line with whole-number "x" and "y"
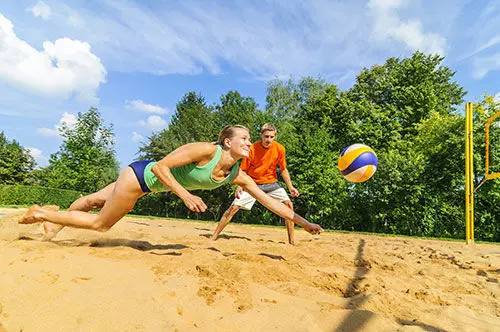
{"x": 50, "y": 230}
{"x": 33, "y": 215}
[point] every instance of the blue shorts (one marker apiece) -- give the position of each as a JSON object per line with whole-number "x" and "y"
{"x": 138, "y": 168}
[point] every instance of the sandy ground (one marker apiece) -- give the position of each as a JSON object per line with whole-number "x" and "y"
{"x": 164, "y": 275}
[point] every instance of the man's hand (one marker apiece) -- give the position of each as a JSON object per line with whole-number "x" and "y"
{"x": 238, "y": 191}
{"x": 194, "y": 203}
{"x": 294, "y": 192}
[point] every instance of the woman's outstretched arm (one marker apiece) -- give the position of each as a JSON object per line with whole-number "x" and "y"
{"x": 275, "y": 206}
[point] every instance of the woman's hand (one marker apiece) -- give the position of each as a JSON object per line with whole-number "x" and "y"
{"x": 194, "y": 203}
{"x": 313, "y": 228}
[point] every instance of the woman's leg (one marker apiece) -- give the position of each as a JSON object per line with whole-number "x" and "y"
{"x": 125, "y": 193}
{"x": 86, "y": 203}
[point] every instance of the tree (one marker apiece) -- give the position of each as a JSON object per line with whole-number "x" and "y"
{"x": 193, "y": 121}
{"x": 16, "y": 162}
{"x": 487, "y": 197}
{"x": 409, "y": 90}
{"x": 86, "y": 159}
{"x": 234, "y": 109}
{"x": 407, "y": 111}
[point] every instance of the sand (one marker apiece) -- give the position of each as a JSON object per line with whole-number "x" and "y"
{"x": 166, "y": 275}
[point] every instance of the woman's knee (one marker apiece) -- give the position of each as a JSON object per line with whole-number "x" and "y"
{"x": 101, "y": 225}
{"x": 95, "y": 202}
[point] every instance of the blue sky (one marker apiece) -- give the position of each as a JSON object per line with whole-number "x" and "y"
{"x": 134, "y": 60}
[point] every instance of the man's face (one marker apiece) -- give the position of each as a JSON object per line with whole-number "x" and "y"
{"x": 267, "y": 138}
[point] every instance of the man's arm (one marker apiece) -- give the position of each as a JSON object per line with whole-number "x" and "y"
{"x": 286, "y": 177}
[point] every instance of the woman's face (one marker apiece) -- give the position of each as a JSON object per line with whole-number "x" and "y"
{"x": 240, "y": 143}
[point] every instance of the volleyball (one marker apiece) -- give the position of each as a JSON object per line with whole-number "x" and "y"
{"x": 357, "y": 163}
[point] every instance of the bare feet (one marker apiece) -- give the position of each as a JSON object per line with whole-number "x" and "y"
{"x": 50, "y": 230}
{"x": 33, "y": 215}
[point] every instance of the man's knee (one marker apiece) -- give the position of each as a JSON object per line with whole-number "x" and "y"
{"x": 232, "y": 210}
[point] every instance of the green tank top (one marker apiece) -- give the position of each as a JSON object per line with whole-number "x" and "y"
{"x": 191, "y": 176}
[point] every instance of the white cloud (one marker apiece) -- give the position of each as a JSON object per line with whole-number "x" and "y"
{"x": 154, "y": 122}
{"x": 386, "y": 4}
{"x": 483, "y": 65}
{"x": 491, "y": 42}
{"x": 40, "y": 159}
{"x": 47, "y": 132}
{"x": 64, "y": 67}
{"x": 67, "y": 119}
{"x": 266, "y": 40}
{"x": 137, "y": 137}
{"x": 148, "y": 108}
{"x": 41, "y": 9}
{"x": 497, "y": 97}
{"x": 389, "y": 25}
{"x": 260, "y": 39}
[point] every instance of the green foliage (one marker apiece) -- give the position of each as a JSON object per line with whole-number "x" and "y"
{"x": 487, "y": 197}
{"x": 16, "y": 163}
{"x": 193, "y": 121}
{"x": 409, "y": 90}
{"x": 86, "y": 160}
{"x": 236, "y": 109}
{"x": 405, "y": 109}
{"x": 28, "y": 195}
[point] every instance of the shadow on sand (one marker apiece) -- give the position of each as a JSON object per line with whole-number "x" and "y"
{"x": 107, "y": 243}
{"x": 227, "y": 237}
{"x": 359, "y": 317}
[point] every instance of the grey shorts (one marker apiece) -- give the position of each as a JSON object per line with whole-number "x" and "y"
{"x": 275, "y": 190}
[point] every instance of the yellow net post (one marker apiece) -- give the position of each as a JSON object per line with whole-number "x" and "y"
{"x": 487, "y": 175}
{"x": 469, "y": 168}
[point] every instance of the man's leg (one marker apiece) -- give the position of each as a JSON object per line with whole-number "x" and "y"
{"x": 226, "y": 218}
{"x": 290, "y": 224}
{"x": 281, "y": 195}
{"x": 245, "y": 201}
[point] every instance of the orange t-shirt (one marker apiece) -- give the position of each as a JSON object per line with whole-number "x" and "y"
{"x": 261, "y": 163}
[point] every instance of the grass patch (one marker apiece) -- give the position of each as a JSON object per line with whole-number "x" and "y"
{"x": 138, "y": 216}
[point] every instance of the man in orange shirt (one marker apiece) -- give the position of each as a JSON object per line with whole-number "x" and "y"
{"x": 263, "y": 158}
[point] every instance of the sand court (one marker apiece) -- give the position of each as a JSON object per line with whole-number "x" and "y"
{"x": 166, "y": 275}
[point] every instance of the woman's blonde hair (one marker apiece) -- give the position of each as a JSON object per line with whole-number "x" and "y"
{"x": 229, "y": 132}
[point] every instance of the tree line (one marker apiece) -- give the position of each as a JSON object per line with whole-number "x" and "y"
{"x": 410, "y": 111}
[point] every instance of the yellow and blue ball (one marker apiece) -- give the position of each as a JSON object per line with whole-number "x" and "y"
{"x": 357, "y": 163}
